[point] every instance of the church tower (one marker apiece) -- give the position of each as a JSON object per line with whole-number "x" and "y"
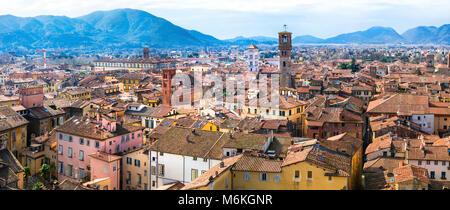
{"x": 252, "y": 58}
{"x": 285, "y": 47}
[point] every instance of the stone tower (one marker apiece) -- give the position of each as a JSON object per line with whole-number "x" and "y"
{"x": 252, "y": 58}
{"x": 168, "y": 74}
{"x": 146, "y": 53}
{"x": 285, "y": 47}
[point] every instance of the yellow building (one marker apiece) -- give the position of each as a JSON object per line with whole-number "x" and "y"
{"x": 289, "y": 109}
{"x": 305, "y": 168}
{"x": 78, "y": 94}
{"x": 42, "y": 151}
{"x": 135, "y": 64}
{"x": 131, "y": 80}
{"x": 9, "y": 101}
{"x": 441, "y": 119}
{"x": 134, "y": 170}
{"x": 14, "y": 128}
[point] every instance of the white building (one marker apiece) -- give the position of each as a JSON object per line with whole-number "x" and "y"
{"x": 426, "y": 122}
{"x": 183, "y": 154}
{"x": 252, "y": 58}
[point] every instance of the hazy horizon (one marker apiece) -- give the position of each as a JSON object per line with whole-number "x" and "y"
{"x": 229, "y": 19}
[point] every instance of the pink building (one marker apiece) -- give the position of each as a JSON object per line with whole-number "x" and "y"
{"x": 81, "y": 137}
{"x": 103, "y": 166}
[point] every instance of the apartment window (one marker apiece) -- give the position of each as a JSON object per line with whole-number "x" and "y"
{"x": 70, "y": 139}
{"x": 81, "y": 141}
{"x": 69, "y": 152}
{"x": 139, "y": 180}
{"x": 309, "y": 175}
{"x": 419, "y": 162}
{"x": 443, "y": 175}
{"x": 60, "y": 150}
{"x": 273, "y": 112}
{"x": 97, "y": 144}
{"x": 81, "y": 155}
{"x": 194, "y": 174}
{"x": 145, "y": 172}
{"x": 161, "y": 153}
{"x": 129, "y": 160}
{"x": 297, "y": 174}
{"x": 81, "y": 173}
{"x": 128, "y": 137}
{"x": 153, "y": 170}
{"x": 277, "y": 177}
{"x": 88, "y": 143}
{"x": 330, "y": 178}
{"x": 444, "y": 163}
{"x": 137, "y": 162}
{"x": 436, "y": 162}
{"x": 432, "y": 175}
{"x": 246, "y": 176}
{"x": 114, "y": 167}
{"x": 290, "y": 112}
{"x": 161, "y": 169}
{"x": 428, "y": 162}
{"x": 132, "y": 136}
{"x": 194, "y": 158}
{"x": 60, "y": 167}
{"x": 69, "y": 170}
{"x": 205, "y": 159}
{"x": 61, "y": 137}
{"x": 123, "y": 139}
{"x": 263, "y": 177}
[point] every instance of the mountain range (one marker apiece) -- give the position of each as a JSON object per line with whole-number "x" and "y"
{"x": 130, "y": 28}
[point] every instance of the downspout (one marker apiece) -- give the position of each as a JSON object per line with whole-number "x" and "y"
{"x": 183, "y": 170}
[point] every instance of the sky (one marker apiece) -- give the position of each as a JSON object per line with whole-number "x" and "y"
{"x": 230, "y": 18}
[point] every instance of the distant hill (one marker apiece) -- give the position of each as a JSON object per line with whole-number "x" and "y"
{"x": 428, "y": 35}
{"x": 307, "y": 39}
{"x": 374, "y": 35}
{"x": 130, "y": 28}
{"x": 246, "y": 41}
{"x": 115, "y": 28}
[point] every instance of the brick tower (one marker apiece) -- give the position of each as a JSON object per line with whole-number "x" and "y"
{"x": 168, "y": 74}
{"x": 285, "y": 47}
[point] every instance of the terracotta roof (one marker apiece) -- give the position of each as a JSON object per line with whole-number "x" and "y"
{"x": 211, "y": 174}
{"x": 429, "y": 153}
{"x": 257, "y": 164}
{"x": 409, "y": 172}
{"x": 105, "y": 157}
{"x": 191, "y": 142}
{"x": 378, "y": 145}
{"x": 409, "y": 104}
{"x": 10, "y": 119}
{"x": 85, "y": 127}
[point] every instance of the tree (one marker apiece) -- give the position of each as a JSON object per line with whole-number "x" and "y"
{"x": 38, "y": 186}
{"x": 45, "y": 171}
{"x": 27, "y": 173}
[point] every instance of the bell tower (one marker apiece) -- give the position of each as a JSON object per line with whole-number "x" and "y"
{"x": 285, "y": 48}
{"x": 168, "y": 74}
